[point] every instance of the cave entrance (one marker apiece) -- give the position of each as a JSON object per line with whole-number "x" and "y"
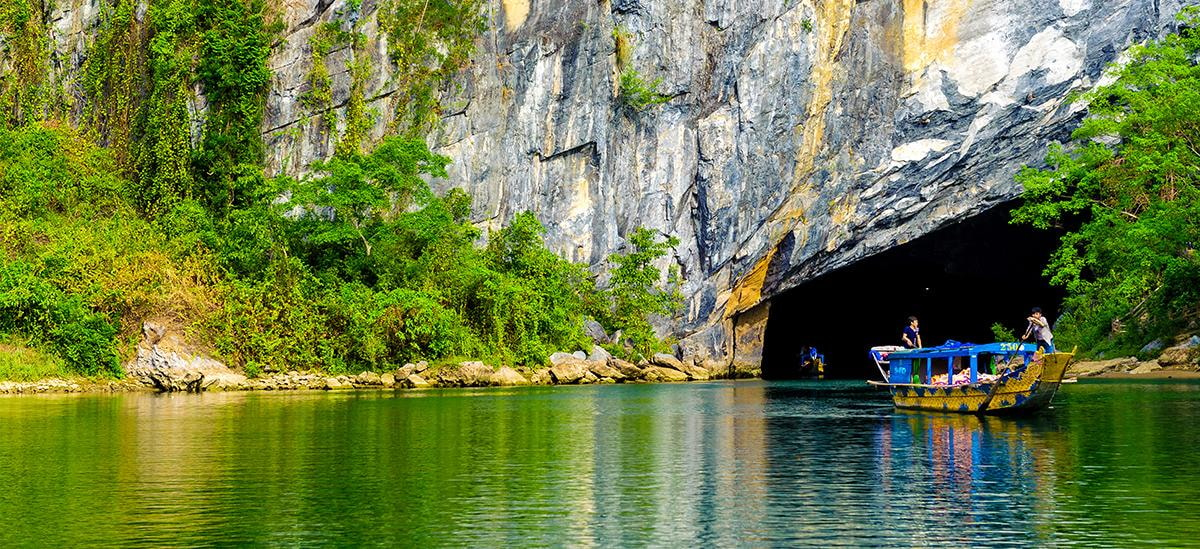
{"x": 957, "y": 280}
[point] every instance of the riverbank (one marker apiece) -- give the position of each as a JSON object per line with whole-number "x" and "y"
{"x": 1179, "y": 362}
{"x": 167, "y": 373}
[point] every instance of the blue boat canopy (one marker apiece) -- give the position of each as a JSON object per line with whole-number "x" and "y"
{"x": 919, "y": 366}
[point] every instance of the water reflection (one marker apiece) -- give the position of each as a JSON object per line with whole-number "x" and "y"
{"x": 746, "y": 463}
{"x": 967, "y": 476}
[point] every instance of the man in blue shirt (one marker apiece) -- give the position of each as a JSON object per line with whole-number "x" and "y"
{"x": 912, "y": 334}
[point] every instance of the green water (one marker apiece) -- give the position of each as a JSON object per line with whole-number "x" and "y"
{"x": 726, "y": 463}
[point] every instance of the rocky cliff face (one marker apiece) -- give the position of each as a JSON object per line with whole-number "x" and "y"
{"x": 800, "y": 135}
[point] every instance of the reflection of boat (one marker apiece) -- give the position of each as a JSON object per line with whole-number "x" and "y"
{"x": 991, "y": 378}
{"x": 963, "y": 461}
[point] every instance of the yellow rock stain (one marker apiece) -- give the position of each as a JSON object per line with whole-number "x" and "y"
{"x": 832, "y": 23}
{"x": 747, "y": 292}
{"x": 515, "y": 13}
{"x": 931, "y": 31}
{"x": 929, "y": 34}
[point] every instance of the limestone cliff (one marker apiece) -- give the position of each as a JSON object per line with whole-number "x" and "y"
{"x": 799, "y": 135}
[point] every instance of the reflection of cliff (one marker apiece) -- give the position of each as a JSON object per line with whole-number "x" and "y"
{"x": 690, "y": 461}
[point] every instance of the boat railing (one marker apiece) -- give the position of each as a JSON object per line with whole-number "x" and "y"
{"x": 880, "y": 356}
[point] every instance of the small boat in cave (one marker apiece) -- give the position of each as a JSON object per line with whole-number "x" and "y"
{"x": 812, "y": 363}
{"x": 976, "y": 379}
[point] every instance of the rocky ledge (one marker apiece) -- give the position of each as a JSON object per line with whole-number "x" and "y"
{"x": 80, "y": 385}
{"x": 1179, "y": 361}
{"x": 165, "y": 362}
{"x": 565, "y": 369}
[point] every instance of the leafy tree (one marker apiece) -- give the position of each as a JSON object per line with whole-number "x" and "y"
{"x": 1131, "y": 270}
{"x": 358, "y": 192}
{"x": 636, "y": 292}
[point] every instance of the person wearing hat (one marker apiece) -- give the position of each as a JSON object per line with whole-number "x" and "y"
{"x": 1039, "y": 328}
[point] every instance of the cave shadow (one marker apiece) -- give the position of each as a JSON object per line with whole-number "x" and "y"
{"x": 958, "y": 280}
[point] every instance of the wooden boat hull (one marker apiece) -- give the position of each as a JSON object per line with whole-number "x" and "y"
{"x": 1029, "y": 387}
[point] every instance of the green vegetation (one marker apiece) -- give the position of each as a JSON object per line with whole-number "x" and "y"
{"x": 622, "y": 46}
{"x": 18, "y": 362}
{"x": 1132, "y": 184}
{"x": 634, "y": 91}
{"x": 25, "y": 91}
{"x": 428, "y": 41}
{"x": 636, "y": 293}
{"x": 1002, "y": 333}
{"x": 639, "y": 94}
{"x": 146, "y": 213}
{"x": 376, "y": 271}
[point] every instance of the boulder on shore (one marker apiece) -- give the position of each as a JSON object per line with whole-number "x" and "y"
{"x": 603, "y": 370}
{"x": 1175, "y": 356}
{"x": 598, "y": 354}
{"x": 333, "y": 383}
{"x": 506, "y": 376}
{"x": 660, "y": 374}
{"x": 628, "y": 369}
{"x": 559, "y": 358}
{"x": 1146, "y": 367}
{"x": 695, "y": 373}
{"x": 475, "y": 374}
{"x": 667, "y": 361}
{"x": 595, "y": 331}
{"x": 167, "y": 363}
{"x": 387, "y": 380}
{"x": 540, "y": 376}
{"x": 415, "y": 381}
{"x": 369, "y": 379}
{"x": 568, "y": 372}
{"x": 465, "y": 374}
{"x": 1095, "y": 368}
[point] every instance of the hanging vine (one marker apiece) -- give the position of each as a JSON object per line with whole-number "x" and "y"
{"x": 113, "y": 77}
{"x": 140, "y": 82}
{"x": 232, "y": 69}
{"x": 428, "y": 41}
{"x": 25, "y": 90}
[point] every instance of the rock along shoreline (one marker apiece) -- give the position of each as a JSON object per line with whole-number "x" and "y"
{"x": 165, "y": 362}
{"x": 205, "y": 375}
{"x": 1179, "y": 362}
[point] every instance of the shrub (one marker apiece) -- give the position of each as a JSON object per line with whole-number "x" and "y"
{"x": 636, "y": 291}
{"x": 638, "y": 94}
{"x": 37, "y": 310}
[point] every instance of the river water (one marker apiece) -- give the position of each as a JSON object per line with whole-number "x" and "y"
{"x": 747, "y": 463}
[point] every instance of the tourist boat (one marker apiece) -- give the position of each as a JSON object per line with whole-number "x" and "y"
{"x": 968, "y": 378}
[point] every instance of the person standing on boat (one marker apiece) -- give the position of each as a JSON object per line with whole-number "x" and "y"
{"x": 1039, "y": 328}
{"x": 912, "y": 334}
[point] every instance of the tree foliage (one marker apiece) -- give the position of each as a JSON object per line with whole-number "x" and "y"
{"x": 636, "y": 291}
{"x": 160, "y": 210}
{"x": 1132, "y": 183}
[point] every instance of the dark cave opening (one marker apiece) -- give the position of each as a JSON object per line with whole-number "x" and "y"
{"x": 957, "y": 280}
